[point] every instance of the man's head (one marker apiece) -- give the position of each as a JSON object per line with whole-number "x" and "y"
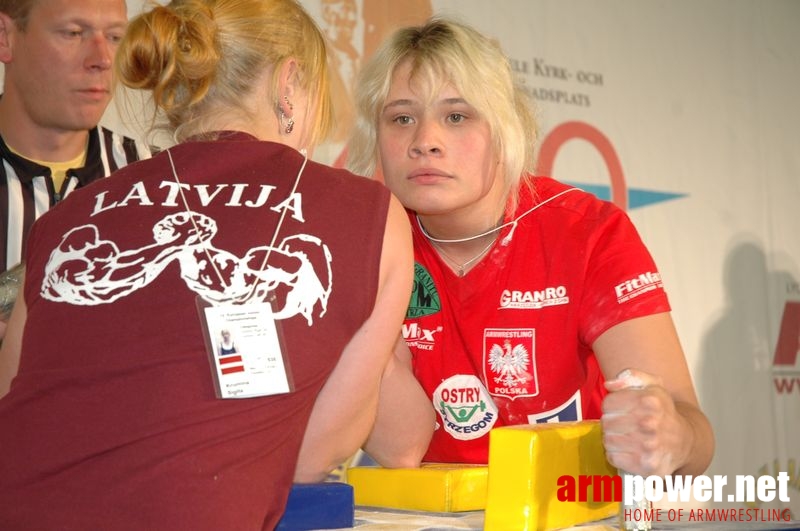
{"x": 58, "y": 56}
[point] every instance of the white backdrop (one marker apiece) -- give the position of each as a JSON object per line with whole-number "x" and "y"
{"x": 694, "y": 104}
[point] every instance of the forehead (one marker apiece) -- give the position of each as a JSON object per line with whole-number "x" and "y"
{"x": 94, "y": 11}
{"x": 426, "y": 82}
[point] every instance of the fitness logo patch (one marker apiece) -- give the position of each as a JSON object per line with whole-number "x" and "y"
{"x": 632, "y": 288}
{"x": 509, "y": 362}
{"x": 466, "y": 409}
{"x": 424, "y": 297}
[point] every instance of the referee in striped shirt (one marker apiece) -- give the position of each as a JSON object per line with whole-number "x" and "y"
{"x": 57, "y": 57}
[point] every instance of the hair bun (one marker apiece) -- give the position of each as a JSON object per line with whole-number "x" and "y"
{"x": 196, "y": 38}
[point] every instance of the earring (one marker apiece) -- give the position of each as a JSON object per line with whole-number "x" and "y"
{"x": 290, "y": 123}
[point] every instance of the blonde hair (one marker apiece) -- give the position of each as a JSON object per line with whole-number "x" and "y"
{"x": 444, "y": 52}
{"x": 199, "y": 57}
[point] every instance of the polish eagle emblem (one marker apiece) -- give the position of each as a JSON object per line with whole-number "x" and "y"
{"x": 510, "y": 364}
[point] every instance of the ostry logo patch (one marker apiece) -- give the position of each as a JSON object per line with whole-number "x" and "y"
{"x": 466, "y": 409}
{"x": 533, "y": 300}
{"x": 424, "y": 297}
{"x": 509, "y": 362}
{"x": 630, "y": 289}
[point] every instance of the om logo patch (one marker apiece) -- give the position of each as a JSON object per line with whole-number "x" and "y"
{"x": 424, "y": 297}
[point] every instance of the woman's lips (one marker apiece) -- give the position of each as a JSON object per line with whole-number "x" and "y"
{"x": 424, "y": 175}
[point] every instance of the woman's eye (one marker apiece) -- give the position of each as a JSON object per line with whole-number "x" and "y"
{"x": 456, "y": 117}
{"x": 403, "y": 120}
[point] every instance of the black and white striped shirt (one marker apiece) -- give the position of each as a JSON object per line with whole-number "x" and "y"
{"x": 27, "y": 190}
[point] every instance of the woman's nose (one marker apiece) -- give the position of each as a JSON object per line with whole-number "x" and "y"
{"x": 427, "y": 140}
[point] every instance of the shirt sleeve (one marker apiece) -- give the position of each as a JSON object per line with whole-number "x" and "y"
{"x": 622, "y": 281}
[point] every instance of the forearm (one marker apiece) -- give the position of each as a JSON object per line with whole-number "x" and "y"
{"x": 347, "y": 407}
{"x": 10, "y": 346}
{"x": 10, "y": 282}
{"x": 8, "y": 369}
{"x": 334, "y": 434}
{"x": 699, "y": 440}
{"x": 405, "y": 420}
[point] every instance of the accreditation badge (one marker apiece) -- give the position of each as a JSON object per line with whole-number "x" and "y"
{"x": 245, "y": 350}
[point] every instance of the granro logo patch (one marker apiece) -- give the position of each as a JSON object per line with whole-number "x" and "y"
{"x": 533, "y": 300}
{"x": 424, "y": 297}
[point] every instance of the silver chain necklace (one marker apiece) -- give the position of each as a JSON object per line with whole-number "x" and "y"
{"x": 461, "y": 266}
{"x": 460, "y": 240}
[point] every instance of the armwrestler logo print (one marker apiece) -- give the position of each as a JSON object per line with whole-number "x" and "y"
{"x": 509, "y": 362}
{"x": 88, "y": 270}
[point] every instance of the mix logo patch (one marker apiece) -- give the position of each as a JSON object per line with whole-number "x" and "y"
{"x": 466, "y": 409}
{"x": 419, "y": 337}
{"x": 509, "y": 362}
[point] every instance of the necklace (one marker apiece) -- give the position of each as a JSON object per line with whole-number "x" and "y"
{"x": 461, "y": 266}
{"x": 460, "y": 240}
{"x": 512, "y": 223}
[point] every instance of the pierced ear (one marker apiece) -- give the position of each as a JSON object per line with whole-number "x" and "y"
{"x": 285, "y": 116}
{"x": 285, "y": 107}
{"x": 287, "y": 84}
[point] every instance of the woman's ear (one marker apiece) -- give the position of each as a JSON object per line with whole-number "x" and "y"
{"x": 288, "y": 80}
